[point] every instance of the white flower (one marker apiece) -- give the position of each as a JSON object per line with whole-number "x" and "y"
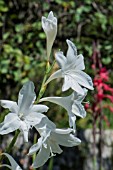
{"x": 48, "y": 144}
{"x": 49, "y": 25}
{"x": 72, "y": 104}
{"x": 23, "y": 115}
{"x": 14, "y": 165}
{"x": 71, "y": 70}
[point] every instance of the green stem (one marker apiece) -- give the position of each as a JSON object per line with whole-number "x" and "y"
{"x": 43, "y": 86}
{"x": 8, "y": 149}
{"x": 35, "y": 140}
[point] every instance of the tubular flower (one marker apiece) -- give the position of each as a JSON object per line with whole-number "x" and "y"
{"x": 72, "y": 103}
{"x": 48, "y": 144}
{"x": 49, "y": 25}
{"x": 23, "y": 114}
{"x": 71, "y": 70}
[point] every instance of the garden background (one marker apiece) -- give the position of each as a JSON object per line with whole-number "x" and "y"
{"x": 89, "y": 24}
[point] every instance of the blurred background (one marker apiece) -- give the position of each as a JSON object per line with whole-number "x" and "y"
{"x": 89, "y": 24}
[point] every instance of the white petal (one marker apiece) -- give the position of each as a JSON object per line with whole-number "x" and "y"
{"x": 10, "y": 124}
{"x": 45, "y": 121}
{"x": 72, "y": 119}
{"x": 34, "y": 118}
{"x": 55, "y": 147}
{"x": 24, "y": 128}
{"x": 14, "y": 165}
{"x": 78, "y": 97}
{"x": 72, "y": 82}
{"x": 67, "y": 140}
{"x": 50, "y": 28}
{"x": 41, "y": 157}
{"x": 80, "y": 62}
{"x": 57, "y": 74}
{"x": 39, "y": 108}
{"x": 35, "y": 147}
{"x": 78, "y": 110}
{"x": 61, "y": 59}
{"x": 12, "y": 106}
{"x": 67, "y": 83}
{"x": 26, "y": 97}
{"x": 72, "y": 52}
{"x": 83, "y": 79}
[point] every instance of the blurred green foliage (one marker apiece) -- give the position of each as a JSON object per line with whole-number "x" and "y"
{"x": 23, "y": 44}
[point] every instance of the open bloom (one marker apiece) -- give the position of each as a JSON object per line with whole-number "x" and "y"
{"x": 48, "y": 144}
{"x": 72, "y": 103}
{"x": 14, "y": 165}
{"x": 23, "y": 115}
{"x": 71, "y": 70}
{"x": 49, "y": 25}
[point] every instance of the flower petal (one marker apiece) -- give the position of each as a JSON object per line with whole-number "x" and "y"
{"x": 24, "y": 129}
{"x": 55, "y": 147}
{"x": 39, "y": 108}
{"x": 78, "y": 110}
{"x": 57, "y": 74}
{"x": 68, "y": 140}
{"x": 14, "y": 165}
{"x": 26, "y": 97}
{"x": 35, "y": 147}
{"x": 12, "y": 106}
{"x": 70, "y": 82}
{"x": 10, "y": 124}
{"x": 71, "y": 52}
{"x": 45, "y": 122}
{"x": 50, "y": 28}
{"x": 80, "y": 62}
{"x": 83, "y": 79}
{"x": 41, "y": 157}
{"x": 61, "y": 59}
{"x": 34, "y": 118}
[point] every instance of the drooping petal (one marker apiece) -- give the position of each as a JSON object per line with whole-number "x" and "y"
{"x": 12, "y": 106}
{"x": 78, "y": 110}
{"x": 68, "y": 140}
{"x": 24, "y": 128}
{"x": 83, "y": 79}
{"x": 57, "y": 74}
{"x": 26, "y": 97}
{"x": 55, "y": 147}
{"x": 41, "y": 157}
{"x": 77, "y": 107}
{"x": 36, "y": 146}
{"x": 61, "y": 59}
{"x": 78, "y": 97}
{"x": 67, "y": 83}
{"x": 14, "y": 165}
{"x": 70, "y": 82}
{"x": 10, "y": 124}
{"x": 72, "y": 119}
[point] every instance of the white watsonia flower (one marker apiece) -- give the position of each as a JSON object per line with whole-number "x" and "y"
{"x": 13, "y": 166}
{"x": 72, "y": 103}
{"x": 48, "y": 144}
{"x": 49, "y": 25}
{"x": 71, "y": 70}
{"x": 23, "y": 114}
